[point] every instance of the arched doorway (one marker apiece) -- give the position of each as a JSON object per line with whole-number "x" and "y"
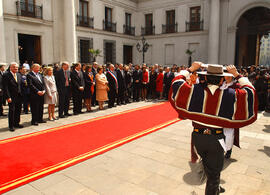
{"x": 251, "y": 27}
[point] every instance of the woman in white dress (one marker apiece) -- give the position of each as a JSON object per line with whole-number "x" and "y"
{"x": 51, "y": 95}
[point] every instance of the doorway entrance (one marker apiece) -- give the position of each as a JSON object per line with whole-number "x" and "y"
{"x": 29, "y": 48}
{"x": 251, "y": 27}
{"x": 127, "y": 51}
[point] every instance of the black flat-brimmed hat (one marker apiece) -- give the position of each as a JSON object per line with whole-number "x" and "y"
{"x": 215, "y": 70}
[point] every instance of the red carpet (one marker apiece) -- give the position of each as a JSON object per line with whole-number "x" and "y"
{"x": 29, "y": 157}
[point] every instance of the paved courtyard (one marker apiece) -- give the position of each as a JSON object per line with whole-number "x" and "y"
{"x": 157, "y": 164}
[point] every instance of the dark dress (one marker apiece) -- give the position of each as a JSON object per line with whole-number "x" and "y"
{"x": 88, "y": 84}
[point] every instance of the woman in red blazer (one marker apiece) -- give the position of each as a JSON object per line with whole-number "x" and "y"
{"x": 159, "y": 83}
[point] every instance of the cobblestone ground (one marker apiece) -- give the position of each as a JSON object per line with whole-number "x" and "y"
{"x": 155, "y": 164}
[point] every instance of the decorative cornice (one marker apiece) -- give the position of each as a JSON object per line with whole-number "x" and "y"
{"x": 27, "y": 19}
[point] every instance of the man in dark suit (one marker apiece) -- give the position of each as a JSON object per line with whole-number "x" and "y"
{"x": 62, "y": 79}
{"x": 77, "y": 87}
{"x": 12, "y": 87}
{"x": 121, "y": 85}
{"x": 25, "y": 89}
{"x": 113, "y": 85}
{"x": 137, "y": 81}
{"x": 2, "y": 68}
{"x": 167, "y": 81}
{"x": 37, "y": 90}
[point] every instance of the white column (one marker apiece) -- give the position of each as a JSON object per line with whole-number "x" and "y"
{"x": 2, "y": 35}
{"x": 70, "y": 46}
{"x": 213, "y": 42}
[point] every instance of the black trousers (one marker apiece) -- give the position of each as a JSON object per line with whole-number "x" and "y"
{"x": 37, "y": 107}
{"x": 166, "y": 91}
{"x": 94, "y": 101}
{"x": 212, "y": 154}
{"x": 121, "y": 96}
{"x": 112, "y": 94}
{"x": 1, "y": 105}
{"x": 26, "y": 101}
{"x": 77, "y": 97}
{"x": 64, "y": 99}
{"x": 14, "y": 112}
{"x": 136, "y": 91}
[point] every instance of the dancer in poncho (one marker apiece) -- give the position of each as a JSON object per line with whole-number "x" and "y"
{"x": 211, "y": 109}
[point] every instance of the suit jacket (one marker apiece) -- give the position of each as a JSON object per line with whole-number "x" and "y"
{"x": 137, "y": 75}
{"x": 113, "y": 84}
{"x": 61, "y": 80}
{"x": 11, "y": 87}
{"x": 1, "y": 85}
{"x": 35, "y": 84}
{"x": 77, "y": 80}
{"x": 168, "y": 77}
{"x": 121, "y": 79}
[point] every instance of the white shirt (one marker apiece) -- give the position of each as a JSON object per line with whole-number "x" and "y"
{"x": 26, "y": 66}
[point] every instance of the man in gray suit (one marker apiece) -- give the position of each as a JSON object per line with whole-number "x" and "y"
{"x": 62, "y": 79}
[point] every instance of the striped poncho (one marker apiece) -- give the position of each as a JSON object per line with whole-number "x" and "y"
{"x": 230, "y": 108}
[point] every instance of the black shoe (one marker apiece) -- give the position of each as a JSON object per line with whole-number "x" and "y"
{"x": 62, "y": 116}
{"x": 221, "y": 189}
{"x": 228, "y": 154}
{"x": 3, "y": 115}
{"x": 18, "y": 126}
{"x": 42, "y": 121}
{"x": 11, "y": 129}
{"x": 34, "y": 123}
{"x": 68, "y": 114}
{"x": 75, "y": 113}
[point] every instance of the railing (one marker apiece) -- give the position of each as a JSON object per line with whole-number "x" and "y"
{"x": 29, "y": 10}
{"x": 148, "y": 30}
{"x": 109, "y": 26}
{"x": 129, "y": 30}
{"x": 169, "y": 28}
{"x": 194, "y": 26}
{"x": 85, "y": 21}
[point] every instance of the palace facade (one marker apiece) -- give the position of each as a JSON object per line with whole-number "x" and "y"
{"x": 216, "y": 31}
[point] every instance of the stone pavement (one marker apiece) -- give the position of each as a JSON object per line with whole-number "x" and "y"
{"x": 157, "y": 164}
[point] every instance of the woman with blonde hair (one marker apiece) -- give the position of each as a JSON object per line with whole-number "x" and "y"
{"x": 51, "y": 95}
{"x": 101, "y": 87}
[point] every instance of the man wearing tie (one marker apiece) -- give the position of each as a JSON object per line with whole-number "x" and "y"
{"x": 77, "y": 87}
{"x": 167, "y": 80}
{"x": 62, "y": 79}
{"x": 122, "y": 85}
{"x": 37, "y": 91}
{"x": 2, "y": 68}
{"x": 113, "y": 85}
{"x": 12, "y": 87}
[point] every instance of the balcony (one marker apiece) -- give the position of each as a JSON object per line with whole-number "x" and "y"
{"x": 148, "y": 30}
{"x": 169, "y": 28}
{"x": 29, "y": 10}
{"x": 194, "y": 26}
{"x": 129, "y": 30}
{"x": 109, "y": 26}
{"x": 85, "y": 21}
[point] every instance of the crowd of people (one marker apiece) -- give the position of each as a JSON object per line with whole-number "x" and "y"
{"x": 27, "y": 88}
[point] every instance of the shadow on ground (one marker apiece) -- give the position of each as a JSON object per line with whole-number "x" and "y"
{"x": 266, "y": 150}
{"x": 266, "y": 129}
{"x": 197, "y": 176}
